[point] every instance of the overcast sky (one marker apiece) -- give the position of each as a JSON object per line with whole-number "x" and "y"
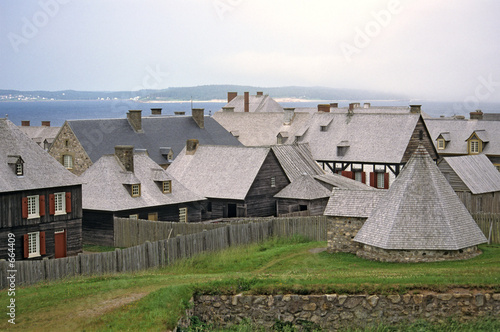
{"x": 447, "y": 50}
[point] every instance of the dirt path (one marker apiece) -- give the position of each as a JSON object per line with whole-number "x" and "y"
{"x": 111, "y": 304}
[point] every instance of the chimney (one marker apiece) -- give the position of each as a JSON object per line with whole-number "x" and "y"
{"x": 352, "y": 106}
{"x": 477, "y": 115}
{"x": 45, "y": 123}
{"x": 288, "y": 116}
{"x": 415, "y": 109}
{"x": 156, "y": 111}
{"x": 191, "y": 146}
{"x": 367, "y": 105}
{"x": 334, "y": 105}
{"x": 199, "y": 116}
{"x": 260, "y": 93}
{"x": 25, "y": 123}
{"x": 125, "y": 154}
{"x": 227, "y": 109}
{"x": 247, "y": 102}
{"x": 324, "y": 108}
{"x": 231, "y": 96}
{"x": 135, "y": 120}
{"x": 180, "y": 113}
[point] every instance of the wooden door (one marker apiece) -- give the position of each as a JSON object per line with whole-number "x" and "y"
{"x": 60, "y": 243}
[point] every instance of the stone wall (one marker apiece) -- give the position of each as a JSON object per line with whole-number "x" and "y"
{"x": 331, "y": 312}
{"x": 341, "y": 232}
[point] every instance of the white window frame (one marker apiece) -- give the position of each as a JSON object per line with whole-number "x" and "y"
{"x": 380, "y": 180}
{"x": 136, "y": 190}
{"x": 33, "y": 206}
{"x": 33, "y": 244}
{"x": 474, "y": 146}
{"x": 68, "y": 161}
{"x": 183, "y": 214}
{"x": 441, "y": 144}
{"x": 60, "y": 203}
{"x": 134, "y": 217}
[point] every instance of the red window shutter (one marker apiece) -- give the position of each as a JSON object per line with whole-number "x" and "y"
{"x": 373, "y": 179}
{"x": 25, "y": 207}
{"x": 25, "y": 246}
{"x": 386, "y": 180}
{"x": 42, "y": 243}
{"x": 52, "y": 204}
{"x": 348, "y": 174}
{"x": 42, "y": 205}
{"x": 68, "y": 202}
{"x": 363, "y": 177}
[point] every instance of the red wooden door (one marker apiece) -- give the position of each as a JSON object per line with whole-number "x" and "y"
{"x": 60, "y": 244}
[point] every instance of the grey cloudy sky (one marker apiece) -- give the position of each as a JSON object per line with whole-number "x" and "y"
{"x": 424, "y": 49}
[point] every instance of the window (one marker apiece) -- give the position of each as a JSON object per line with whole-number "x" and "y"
{"x": 167, "y": 187}
{"x": 68, "y": 161}
{"x": 136, "y": 190}
{"x": 34, "y": 244}
{"x": 60, "y": 203}
{"x": 474, "y": 146}
{"x": 441, "y": 144}
{"x": 273, "y": 181}
{"x": 33, "y": 207}
{"x": 153, "y": 216}
{"x": 380, "y": 180}
{"x": 358, "y": 176}
{"x": 133, "y": 216}
{"x": 19, "y": 169}
{"x": 66, "y": 143}
{"x": 183, "y": 214}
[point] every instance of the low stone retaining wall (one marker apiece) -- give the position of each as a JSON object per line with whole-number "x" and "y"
{"x": 331, "y": 312}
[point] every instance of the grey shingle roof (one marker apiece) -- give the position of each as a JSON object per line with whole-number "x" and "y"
{"x": 40, "y": 133}
{"x": 353, "y": 203}
{"x": 296, "y": 159}
{"x": 341, "y": 182}
{"x": 257, "y": 104}
{"x": 100, "y": 136}
{"x": 461, "y": 130}
{"x": 477, "y": 172}
{"x": 420, "y": 211}
{"x": 225, "y": 172}
{"x": 103, "y": 185}
{"x": 304, "y": 187}
{"x": 40, "y": 169}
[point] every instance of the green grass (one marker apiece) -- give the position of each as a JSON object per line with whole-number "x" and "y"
{"x": 155, "y": 299}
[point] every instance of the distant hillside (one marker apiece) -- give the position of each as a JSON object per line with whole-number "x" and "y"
{"x": 204, "y": 92}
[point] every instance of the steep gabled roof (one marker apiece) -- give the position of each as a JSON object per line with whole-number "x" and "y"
{"x": 225, "y": 172}
{"x": 477, "y": 172}
{"x": 421, "y": 212}
{"x": 40, "y": 169}
{"x": 304, "y": 187}
{"x": 296, "y": 160}
{"x": 257, "y": 104}
{"x": 105, "y": 183}
{"x": 353, "y": 203}
{"x": 40, "y": 133}
{"x": 100, "y": 136}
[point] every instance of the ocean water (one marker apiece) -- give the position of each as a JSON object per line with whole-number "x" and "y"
{"x": 59, "y": 111}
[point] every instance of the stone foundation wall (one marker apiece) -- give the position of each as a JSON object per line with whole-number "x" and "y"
{"x": 341, "y": 231}
{"x": 413, "y": 256}
{"x": 331, "y": 312}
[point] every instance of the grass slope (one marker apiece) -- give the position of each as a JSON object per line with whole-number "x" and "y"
{"x": 155, "y": 299}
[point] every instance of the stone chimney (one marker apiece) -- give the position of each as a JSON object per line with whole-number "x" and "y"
{"x": 324, "y": 108}
{"x": 227, "y": 109}
{"x": 367, "y": 105}
{"x": 231, "y": 96}
{"x": 247, "y": 102}
{"x": 135, "y": 119}
{"x": 199, "y": 116}
{"x": 415, "y": 109}
{"x": 260, "y": 93}
{"x": 288, "y": 116}
{"x": 180, "y": 113}
{"x": 25, "y": 123}
{"x": 156, "y": 111}
{"x": 334, "y": 105}
{"x": 125, "y": 154}
{"x": 477, "y": 115}
{"x": 45, "y": 123}
{"x": 191, "y": 146}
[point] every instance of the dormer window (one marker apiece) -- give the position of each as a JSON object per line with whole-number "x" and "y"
{"x": 441, "y": 144}
{"x": 19, "y": 169}
{"x": 342, "y": 148}
{"x": 17, "y": 164}
{"x": 136, "y": 190}
{"x": 167, "y": 187}
{"x": 323, "y": 128}
{"x": 477, "y": 141}
{"x": 474, "y": 146}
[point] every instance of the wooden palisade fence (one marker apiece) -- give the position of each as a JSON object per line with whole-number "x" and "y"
{"x": 490, "y": 225}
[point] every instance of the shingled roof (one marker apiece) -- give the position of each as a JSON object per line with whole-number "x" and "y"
{"x": 353, "y": 203}
{"x": 104, "y": 185}
{"x": 342, "y": 182}
{"x": 421, "y": 212}
{"x": 40, "y": 169}
{"x": 477, "y": 173}
{"x": 304, "y": 187}
{"x": 99, "y": 136}
{"x": 257, "y": 104}
{"x": 296, "y": 160}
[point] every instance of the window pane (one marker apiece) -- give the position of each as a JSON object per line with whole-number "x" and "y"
{"x": 33, "y": 206}
{"x": 33, "y": 244}
{"x": 60, "y": 202}
{"x": 68, "y": 161}
{"x": 380, "y": 180}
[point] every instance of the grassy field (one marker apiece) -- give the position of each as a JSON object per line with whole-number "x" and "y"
{"x": 155, "y": 299}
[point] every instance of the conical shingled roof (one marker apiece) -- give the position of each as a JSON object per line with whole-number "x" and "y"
{"x": 420, "y": 212}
